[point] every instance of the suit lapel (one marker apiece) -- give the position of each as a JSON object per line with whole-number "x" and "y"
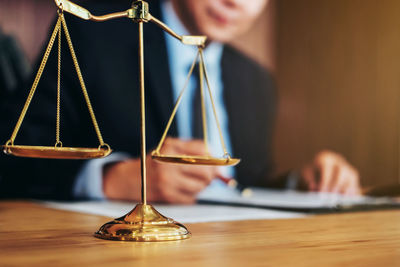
{"x": 242, "y": 129}
{"x": 231, "y": 91}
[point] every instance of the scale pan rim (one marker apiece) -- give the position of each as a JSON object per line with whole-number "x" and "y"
{"x": 195, "y": 160}
{"x": 51, "y": 152}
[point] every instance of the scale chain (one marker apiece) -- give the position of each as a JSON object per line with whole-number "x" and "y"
{"x": 82, "y": 83}
{"x": 178, "y": 101}
{"x": 61, "y": 24}
{"x": 57, "y": 28}
{"x": 203, "y": 105}
{"x": 58, "y": 142}
{"x": 202, "y": 74}
{"x": 213, "y": 105}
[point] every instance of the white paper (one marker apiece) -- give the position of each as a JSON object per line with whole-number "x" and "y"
{"x": 287, "y": 199}
{"x": 181, "y": 213}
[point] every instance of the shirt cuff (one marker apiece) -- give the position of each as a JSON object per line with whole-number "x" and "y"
{"x": 89, "y": 181}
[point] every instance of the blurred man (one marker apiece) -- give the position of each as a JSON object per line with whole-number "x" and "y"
{"x": 243, "y": 91}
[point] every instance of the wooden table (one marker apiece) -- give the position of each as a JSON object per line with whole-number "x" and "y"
{"x": 32, "y": 235}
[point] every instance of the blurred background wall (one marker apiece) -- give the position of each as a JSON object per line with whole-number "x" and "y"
{"x": 336, "y": 66}
{"x": 28, "y": 21}
{"x": 338, "y": 72}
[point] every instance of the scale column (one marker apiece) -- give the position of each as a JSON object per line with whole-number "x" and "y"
{"x": 142, "y": 115}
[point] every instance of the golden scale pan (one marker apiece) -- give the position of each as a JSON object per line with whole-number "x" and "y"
{"x": 144, "y": 222}
{"x": 57, "y": 151}
{"x": 226, "y": 160}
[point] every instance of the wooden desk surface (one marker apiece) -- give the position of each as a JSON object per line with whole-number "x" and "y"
{"x": 34, "y": 235}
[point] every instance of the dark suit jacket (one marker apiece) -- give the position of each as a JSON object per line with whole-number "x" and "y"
{"x": 107, "y": 53}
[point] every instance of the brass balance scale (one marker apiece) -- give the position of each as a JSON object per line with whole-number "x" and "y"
{"x": 143, "y": 223}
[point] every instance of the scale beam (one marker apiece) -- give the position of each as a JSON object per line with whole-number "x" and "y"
{"x": 138, "y": 12}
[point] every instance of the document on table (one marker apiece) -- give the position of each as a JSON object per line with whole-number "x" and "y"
{"x": 292, "y": 200}
{"x": 181, "y": 213}
{"x": 222, "y": 203}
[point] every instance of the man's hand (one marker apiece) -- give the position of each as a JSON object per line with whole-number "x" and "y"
{"x": 330, "y": 172}
{"x": 169, "y": 183}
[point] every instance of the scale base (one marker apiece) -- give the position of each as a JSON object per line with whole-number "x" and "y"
{"x": 143, "y": 224}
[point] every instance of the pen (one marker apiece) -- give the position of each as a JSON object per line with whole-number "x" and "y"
{"x": 232, "y": 183}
